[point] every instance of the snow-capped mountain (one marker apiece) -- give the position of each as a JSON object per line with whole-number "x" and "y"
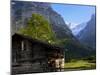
{"x": 78, "y": 28}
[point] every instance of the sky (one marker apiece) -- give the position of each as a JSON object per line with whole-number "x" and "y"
{"x": 74, "y": 14}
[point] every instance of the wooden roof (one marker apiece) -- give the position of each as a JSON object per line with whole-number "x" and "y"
{"x": 37, "y": 41}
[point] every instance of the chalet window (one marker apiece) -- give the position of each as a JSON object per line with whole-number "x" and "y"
{"x": 22, "y": 45}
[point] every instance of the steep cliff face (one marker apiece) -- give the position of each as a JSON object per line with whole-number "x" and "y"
{"x": 21, "y": 11}
{"x": 88, "y": 35}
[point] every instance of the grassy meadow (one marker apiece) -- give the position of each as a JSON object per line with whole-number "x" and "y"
{"x": 80, "y": 65}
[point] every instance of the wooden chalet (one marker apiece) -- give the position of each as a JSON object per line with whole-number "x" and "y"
{"x": 31, "y": 55}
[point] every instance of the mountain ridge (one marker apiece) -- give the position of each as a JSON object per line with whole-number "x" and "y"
{"x": 87, "y": 36}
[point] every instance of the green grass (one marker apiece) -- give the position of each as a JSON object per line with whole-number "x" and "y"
{"x": 80, "y": 64}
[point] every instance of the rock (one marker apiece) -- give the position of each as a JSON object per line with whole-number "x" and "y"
{"x": 87, "y": 36}
{"x": 21, "y": 11}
